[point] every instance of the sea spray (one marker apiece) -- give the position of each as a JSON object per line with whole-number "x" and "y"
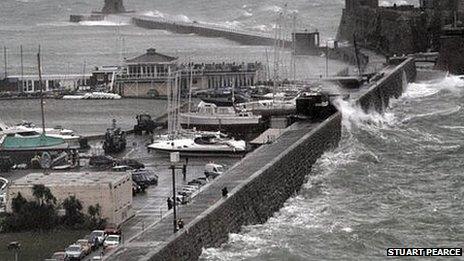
{"x": 354, "y": 115}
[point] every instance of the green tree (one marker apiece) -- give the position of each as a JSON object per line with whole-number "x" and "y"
{"x": 73, "y": 216}
{"x": 18, "y": 203}
{"x": 43, "y": 194}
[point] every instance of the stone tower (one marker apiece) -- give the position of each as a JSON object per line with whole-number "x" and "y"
{"x": 113, "y": 7}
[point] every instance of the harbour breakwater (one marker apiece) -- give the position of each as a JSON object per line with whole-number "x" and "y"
{"x": 261, "y": 183}
{"x": 342, "y": 53}
{"x": 345, "y": 54}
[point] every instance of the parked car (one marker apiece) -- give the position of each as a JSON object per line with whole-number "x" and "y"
{"x": 136, "y": 188}
{"x": 148, "y": 174}
{"x": 99, "y": 235}
{"x": 141, "y": 179}
{"x": 2, "y": 200}
{"x": 132, "y": 163}
{"x": 121, "y": 168}
{"x": 3, "y": 183}
{"x": 74, "y": 252}
{"x": 180, "y": 199}
{"x": 101, "y": 161}
{"x": 213, "y": 170}
{"x": 112, "y": 229}
{"x": 59, "y": 256}
{"x": 86, "y": 247}
{"x": 112, "y": 241}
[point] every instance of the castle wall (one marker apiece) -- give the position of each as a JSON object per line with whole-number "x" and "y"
{"x": 451, "y": 56}
{"x": 385, "y": 30}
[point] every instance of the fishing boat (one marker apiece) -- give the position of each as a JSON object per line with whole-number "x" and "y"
{"x": 197, "y": 143}
{"x": 115, "y": 139}
{"x": 212, "y": 117}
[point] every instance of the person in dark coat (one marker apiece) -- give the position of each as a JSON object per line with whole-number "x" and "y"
{"x": 169, "y": 203}
{"x": 225, "y": 192}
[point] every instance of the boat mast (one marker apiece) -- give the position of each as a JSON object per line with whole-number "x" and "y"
{"x": 179, "y": 89}
{"x": 169, "y": 101}
{"x": 4, "y": 58}
{"x": 293, "y": 60}
{"x": 190, "y": 95}
{"x": 22, "y": 68}
{"x": 41, "y": 91}
{"x": 83, "y": 73}
{"x": 268, "y": 70}
{"x": 276, "y": 55}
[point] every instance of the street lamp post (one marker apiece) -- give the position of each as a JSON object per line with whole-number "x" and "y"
{"x": 174, "y": 221}
{"x": 175, "y": 158}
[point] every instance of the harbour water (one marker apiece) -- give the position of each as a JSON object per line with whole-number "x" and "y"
{"x": 395, "y": 181}
{"x": 86, "y": 117}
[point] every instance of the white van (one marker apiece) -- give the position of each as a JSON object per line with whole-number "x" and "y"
{"x": 213, "y": 170}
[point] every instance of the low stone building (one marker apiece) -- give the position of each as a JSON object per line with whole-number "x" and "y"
{"x": 112, "y": 191}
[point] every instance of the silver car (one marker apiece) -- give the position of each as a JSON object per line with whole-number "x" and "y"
{"x": 74, "y": 252}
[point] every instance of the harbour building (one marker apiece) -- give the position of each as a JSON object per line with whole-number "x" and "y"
{"x": 112, "y": 191}
{"x": 150, "y": 74}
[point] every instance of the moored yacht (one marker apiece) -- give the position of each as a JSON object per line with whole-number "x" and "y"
{"x": 211, "y": 117}
{"x": 28, "y": 129}
{"x": 195, "y": 143}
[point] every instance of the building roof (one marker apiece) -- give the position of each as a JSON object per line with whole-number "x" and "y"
{"x": 71, "y": 179}
{"x": 151, "y": 56}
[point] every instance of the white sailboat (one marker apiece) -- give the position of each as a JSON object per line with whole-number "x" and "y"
{"x": 192, "y": 142}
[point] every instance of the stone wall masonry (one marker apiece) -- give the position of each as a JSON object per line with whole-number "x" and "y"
{"x": 260, "y": 184}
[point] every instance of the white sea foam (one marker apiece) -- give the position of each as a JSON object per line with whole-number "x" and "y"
{"x": 246, "y": 13}
{"x": 272, "y": 8}
{"x": 170, "y": 17}
{"x": 353, "y": 115}
{"x": 111, "y": 20}
{"x": 419, "y": 90}
{"x": 452, "y": 83}
{"x": 441, "y": 113}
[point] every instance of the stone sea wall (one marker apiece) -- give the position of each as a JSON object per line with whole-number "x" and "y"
{"x": 255, "y": 199}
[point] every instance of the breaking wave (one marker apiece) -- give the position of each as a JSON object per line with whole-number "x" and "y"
{"x": 108, "y": 21}
{"x": 175, "y": 18}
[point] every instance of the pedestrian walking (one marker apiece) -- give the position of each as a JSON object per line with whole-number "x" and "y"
{"x": 169, "y": 203}
{"x": 225, "y": 192}
{"x": 180, "y": 223}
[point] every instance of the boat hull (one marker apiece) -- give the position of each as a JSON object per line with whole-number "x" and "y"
{"x": 199, "y": 153}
